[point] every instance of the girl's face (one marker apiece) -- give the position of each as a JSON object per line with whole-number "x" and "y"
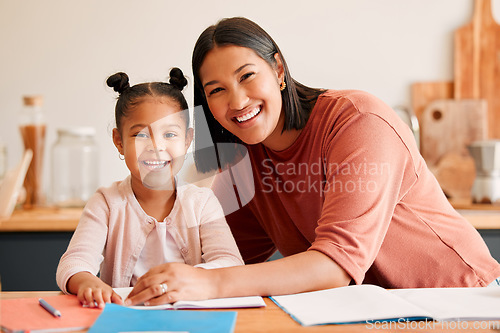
{"x": 243, "y": 93}
{"x": 154, "y": 140}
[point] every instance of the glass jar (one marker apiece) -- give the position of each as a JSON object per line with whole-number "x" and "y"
{"x": 75, "y": 166}
{"x": 32, "y": 127}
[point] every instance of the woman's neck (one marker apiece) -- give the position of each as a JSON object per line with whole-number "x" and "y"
{"x": 281, "y": 139}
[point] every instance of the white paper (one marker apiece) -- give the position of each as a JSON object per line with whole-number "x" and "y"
{"x": 216, "y": 303}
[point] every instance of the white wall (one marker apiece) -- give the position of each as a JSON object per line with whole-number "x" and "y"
{"x": 65, "y": 50}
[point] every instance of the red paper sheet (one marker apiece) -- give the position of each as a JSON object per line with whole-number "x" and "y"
{"x": 25, "y": 314}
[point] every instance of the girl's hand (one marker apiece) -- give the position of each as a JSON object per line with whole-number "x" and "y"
{"x": 91, "y": 291}
{"x": 183, "y": 282}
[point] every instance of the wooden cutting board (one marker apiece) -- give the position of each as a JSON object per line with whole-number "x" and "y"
{"x": 477, "y": 62}
{"x": 447, "y": 127}
{"x": 423, "y": 93}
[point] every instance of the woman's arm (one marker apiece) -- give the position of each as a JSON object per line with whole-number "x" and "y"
{"x": 306, "y": 271}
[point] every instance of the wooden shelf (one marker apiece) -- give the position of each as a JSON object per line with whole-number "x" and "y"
{"x": 46, "y": 219}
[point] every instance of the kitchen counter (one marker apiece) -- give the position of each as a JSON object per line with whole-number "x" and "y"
{"x": 481, "y": 216}
{"x": 34, "y": 240}
{"x": 50, "y": 219}
{"x": 46, "y": 219}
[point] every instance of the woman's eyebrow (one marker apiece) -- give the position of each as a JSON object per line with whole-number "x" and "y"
{"x": 239, "y": 69}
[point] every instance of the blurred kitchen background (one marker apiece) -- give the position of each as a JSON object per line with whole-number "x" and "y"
{"x": 65, "y": 50}
{"x": 402, "y": 51}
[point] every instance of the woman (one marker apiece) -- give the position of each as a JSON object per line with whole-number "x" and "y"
{"x": 340, "y": 187}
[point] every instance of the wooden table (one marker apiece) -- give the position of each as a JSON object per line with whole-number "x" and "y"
{"x": 273, "y": 319}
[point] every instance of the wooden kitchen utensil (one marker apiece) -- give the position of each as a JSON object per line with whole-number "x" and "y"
{"x": 477, "y": 62}
{"x": 423, "y": 93}
{"x": 456, "y": 173}
{"x": 448, "y": 126}
{"x": 11, "y": 185}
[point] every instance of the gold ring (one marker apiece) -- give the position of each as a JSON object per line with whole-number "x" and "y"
{"x": 164, "y": 288}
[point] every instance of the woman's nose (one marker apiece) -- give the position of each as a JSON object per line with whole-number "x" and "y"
{"x": 238, "y": 99}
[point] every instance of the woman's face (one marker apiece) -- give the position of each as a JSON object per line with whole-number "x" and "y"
{"x": 154, "y": 140}
{"x": 243, "y": 93}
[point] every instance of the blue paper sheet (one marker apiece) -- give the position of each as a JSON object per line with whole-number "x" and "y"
{"x": 117, "y": 318}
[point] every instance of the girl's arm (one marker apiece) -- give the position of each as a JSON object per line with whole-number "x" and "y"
{"x": 92, "y": 291}
{"x": 79, "y": 265}
{"x": 302, "y": 272}
{"x": 218, "y": 246}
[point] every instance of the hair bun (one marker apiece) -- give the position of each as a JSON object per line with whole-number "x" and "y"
{"x": 177, "y": 78}
{"x": 119, "y": 82}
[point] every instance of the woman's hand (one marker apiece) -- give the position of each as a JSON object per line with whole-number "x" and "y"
{"x": 181, "y": 281}
{"x": 92, "y": 291}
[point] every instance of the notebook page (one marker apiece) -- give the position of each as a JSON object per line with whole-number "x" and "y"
{"x": 351, "y": 304}
{"x": 455, "y": 303}
{"x": 217, "y": 303}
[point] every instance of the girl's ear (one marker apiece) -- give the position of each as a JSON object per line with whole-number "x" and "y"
{"x": 117, "y": 140}
{"x": 189, "y": 137}
{"x": 280, "y": 71}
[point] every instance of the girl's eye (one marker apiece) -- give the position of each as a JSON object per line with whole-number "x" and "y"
{"x": 214, "y": 91}
{"x": 141, "y": 135}
{"x": 246, "y": 76}
{"x": 170, "y": 135}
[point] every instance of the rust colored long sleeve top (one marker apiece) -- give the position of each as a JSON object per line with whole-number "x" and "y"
{"x": 355, "y": 187}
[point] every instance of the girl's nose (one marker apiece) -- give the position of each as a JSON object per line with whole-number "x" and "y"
{"x": 238, "y": 99}
{"x": 155, "y": 144}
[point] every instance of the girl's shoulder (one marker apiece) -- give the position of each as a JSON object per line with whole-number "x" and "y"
{"x": 118, "y": 193}
{"x": 194, "y": 193}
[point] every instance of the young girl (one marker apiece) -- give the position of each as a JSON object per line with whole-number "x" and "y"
{"x": 147, "y": 219}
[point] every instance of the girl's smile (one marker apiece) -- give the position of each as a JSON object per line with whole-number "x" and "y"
{"x": 154, "y": 164}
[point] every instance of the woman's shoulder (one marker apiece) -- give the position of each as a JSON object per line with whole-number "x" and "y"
{"x": 356, "y": 100}
{"x": 341, "y": 107}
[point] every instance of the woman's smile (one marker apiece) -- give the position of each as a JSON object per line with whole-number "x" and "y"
{"x": 248, "y": 115}
{"x": 243, "y": 93}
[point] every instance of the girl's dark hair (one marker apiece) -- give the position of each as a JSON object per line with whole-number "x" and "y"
{"x": 131, "y": 96}
{"x": 297, "y": 98}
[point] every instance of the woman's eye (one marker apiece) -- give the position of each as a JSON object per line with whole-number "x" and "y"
{"x": 141, "y": 135}
{"x": 170, "y": 135}
{"x": 214, "y": 91}
{"x": 246, "y": 76}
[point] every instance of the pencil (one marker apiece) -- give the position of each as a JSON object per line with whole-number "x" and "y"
{"x": 49, "y": 308}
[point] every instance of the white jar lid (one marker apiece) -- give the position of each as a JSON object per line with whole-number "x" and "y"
{"x": 77, "y": 131}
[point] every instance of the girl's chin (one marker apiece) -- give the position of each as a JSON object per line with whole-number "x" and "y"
{"x": 158, "y": 181}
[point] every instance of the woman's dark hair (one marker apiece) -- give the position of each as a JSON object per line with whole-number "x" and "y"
{"x": 297, "y": 98}
{"x": 131, "y": 96}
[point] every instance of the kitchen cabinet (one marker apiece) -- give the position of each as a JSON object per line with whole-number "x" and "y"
{"x": 31, "y": 242}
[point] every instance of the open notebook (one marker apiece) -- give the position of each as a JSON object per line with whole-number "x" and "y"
{"x": 217, "y": 303}
{"x": 367, "y": 303}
